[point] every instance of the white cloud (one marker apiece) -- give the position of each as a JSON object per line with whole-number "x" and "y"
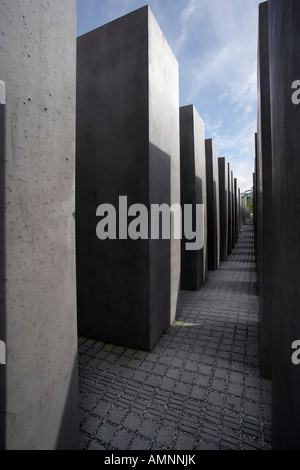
{"x": 185, "y": 17}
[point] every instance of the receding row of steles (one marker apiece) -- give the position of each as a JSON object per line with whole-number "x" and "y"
{"x": 134, "y": 140}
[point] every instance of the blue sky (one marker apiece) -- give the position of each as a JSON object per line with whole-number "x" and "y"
{"x": 215, "y": 42}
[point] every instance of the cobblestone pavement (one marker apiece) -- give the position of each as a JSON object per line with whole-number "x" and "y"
{"x": 199, "y": 389}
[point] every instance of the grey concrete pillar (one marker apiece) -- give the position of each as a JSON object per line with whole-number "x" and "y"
{"x": 223, "y": 197}
{"x": 236, "y": 203}
{"x": 284, "y": 46}
{"x": 233, "y": 210}
{"x": 193, "y": 191}
{"x": 256, "y": 212}
{"x": 37, "y": 229}
{"x": 229, "y": 211}
{"x": 127, "y": 145}
{"x": 213, "y": 211}
{"x": 243, "y": 209}
{"x": 265, "y": 194}
{"x": 240, "y": 210}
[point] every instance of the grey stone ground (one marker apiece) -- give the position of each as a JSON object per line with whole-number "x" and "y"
{"x": 199, "y": 388}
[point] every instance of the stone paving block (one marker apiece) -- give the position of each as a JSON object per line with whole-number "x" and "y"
{"x": 167, "y": 384}
{"x": 132, "y": 422}
{"x": 134, "y": 364}
{"x": 159, "y": 370}
{"x": 204, "y": 446}
{"x": 166, "y": 360}
{"x": 210, "y": 434}
{"x": 116, "y": 415}
{"x": 184, "y": 442}
{"x": 171, "y": 422}
{"x": 236, "y": 377}
{"x": 106, "y": 432}
{"x": 235, "y": 389}
{"x": 139, "y": 377}
{"x": 252, "y": 409}
{"x": 192, "y": 366}
{"x": 218, "y": 385}
{"x": 188, "y": 427}
{"x": 213, "y": 415}
{"x": 232, "y": 421}
{"x": 148, "y": 429}
{"x": 94, "y": 445}
{"x": 215, "y": 399}
{"x": 177, "y": 363}
{"x": 187, "y": 377}
{"x": 249, "y": 444}
{"x": 182, "y": 389}
{"x": 252, "y": 394}
{"x": 139, "y": 444}
{"x": 202, "y": 380}
{"x": 173, "y": 373}
{"x": 153, "y": 380}
{"x": 121, "y": 440}
{"x": 91, "y": 425}
{"x": 234, "y": 403}
{"x": 229, "y": 443}
{"x": 198, "y": 393}
{"x": 165, "y": 437}
{"x": 88, "y": 403}
{"x": 128, "y": 373}
{"x": 102, "y": 409}
{"x": 146, "y": 366}
{"x": 208, "y": 360}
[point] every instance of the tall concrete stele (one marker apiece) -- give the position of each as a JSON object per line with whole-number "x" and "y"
{"x": 38, "y": 384}
{"x": 213, "y": 211}
{"x": 284, "y": 50}
{"x": 233, "y": 210}
{"x": 264, "y": 195}
{"x": 127, "y": 145}
{"x": 193, "y": 191}
{"x": 223, "y": 204}
{"x": 229, "y": 185}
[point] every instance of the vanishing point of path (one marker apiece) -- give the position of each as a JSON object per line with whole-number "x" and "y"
{"x": 199, "y": 389}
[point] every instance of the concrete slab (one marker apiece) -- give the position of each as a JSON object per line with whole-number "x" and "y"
{"x": 223, "y": 195}
{"x": 213, "y": 212}
{"x": 127, "y": 145}
{"x": 193, "y": 191}
{"x": 265, "y": 195}
{"x": 39, "y": 387}
{"x": 285, "y": 125}
{"x": 233, "y": 210}
{"x": 229, "y": 211}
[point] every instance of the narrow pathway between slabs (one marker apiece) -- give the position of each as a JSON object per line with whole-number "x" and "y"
{"x": 199, "y": 388}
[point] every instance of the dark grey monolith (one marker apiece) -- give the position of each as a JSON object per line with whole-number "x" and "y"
{"x": 127, "y": 145}
{"x": 236, "y": 203}
{"x": 193, "y": 191}
{"x": 223, "y": 195}
{"x": 284, "y": 27}
{"x": 229, "y": 211}
{"x": 256, "y": 210}
{"x": 38, "y": 384}
{"x": 233, "y": 209}
{"x": 240, "y": 210}
{"x": 265, "y": 195}
{"x": 213, "y": 212}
